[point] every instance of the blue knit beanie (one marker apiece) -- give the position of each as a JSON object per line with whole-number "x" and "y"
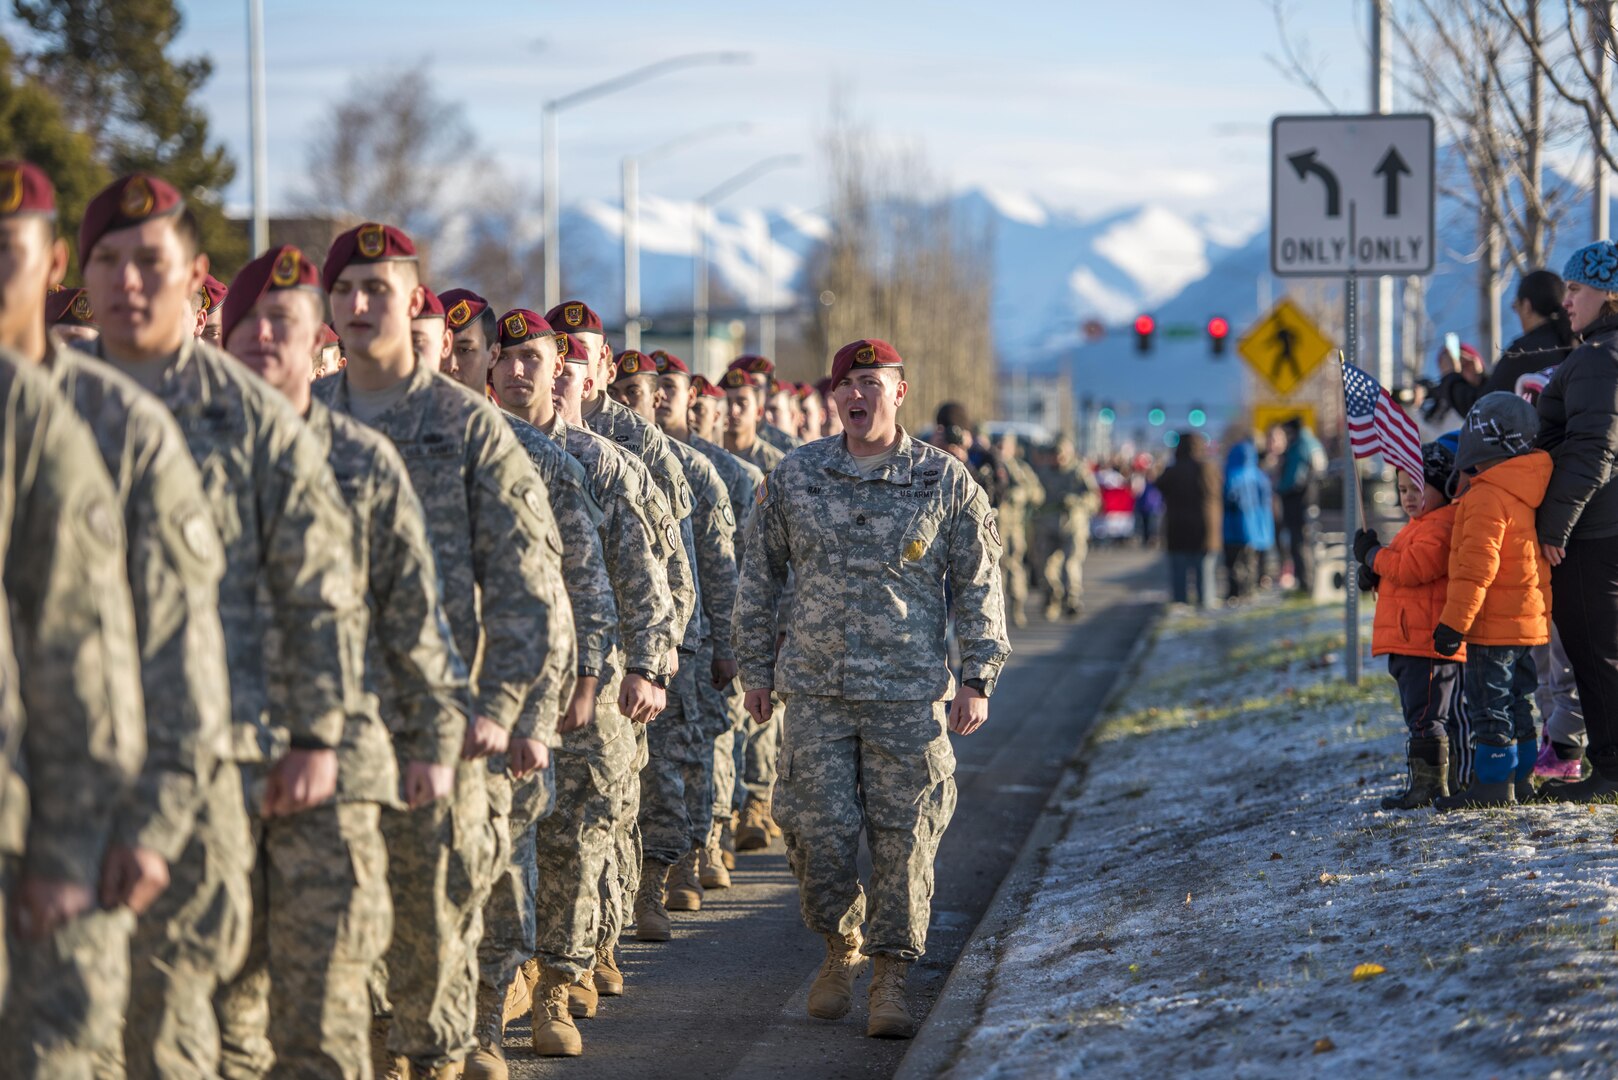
{"x": 1595, "y": 265}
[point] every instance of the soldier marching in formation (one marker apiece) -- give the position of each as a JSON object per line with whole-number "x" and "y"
{"x": 377, "y": 660}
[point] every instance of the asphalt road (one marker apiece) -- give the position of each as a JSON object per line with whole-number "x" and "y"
{"x": 727, "y": 996}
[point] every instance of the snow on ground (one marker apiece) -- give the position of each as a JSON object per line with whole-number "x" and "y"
{"x": 1226, "y": 869}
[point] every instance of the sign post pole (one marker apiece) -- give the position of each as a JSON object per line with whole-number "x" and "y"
{"x": 1351, "y": 495}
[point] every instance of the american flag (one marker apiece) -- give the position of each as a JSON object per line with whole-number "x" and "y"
{"x": 1376, "y": 423}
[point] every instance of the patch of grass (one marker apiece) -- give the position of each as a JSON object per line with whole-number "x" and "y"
{"x": 1329, "y": 695}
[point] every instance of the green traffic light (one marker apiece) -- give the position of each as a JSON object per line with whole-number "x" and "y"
{"x": 1171, "y": 439}
{"x": 1156, "y": 417}
{"x": 1197, "y": 418}
{"x": 1108, "y": 416}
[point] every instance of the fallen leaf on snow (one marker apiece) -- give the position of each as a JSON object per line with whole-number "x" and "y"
{"x": 1275, "y": 856}
{"x": 1367, "y": 971}
{"x": 1328, "y": 879}
{"x": 1533, "y": 875}
{"x": 1324, "y": 1046}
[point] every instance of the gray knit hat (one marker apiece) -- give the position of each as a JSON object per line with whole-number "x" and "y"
{"x": 1500, "y": 425}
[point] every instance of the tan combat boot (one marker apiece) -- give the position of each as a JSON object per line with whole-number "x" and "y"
{"x": 890, "y": 1016}
{"x": 711, "y": 868}
{"x": 450, "y": 1070}
{"x": 608, "y": 979}
{"x": 520, "y": 994}
{"x": 685, "y": 890}
{"x": 582, "y": 998}
{"x": 727, "y": 841}
{"x": 555, "y": 1034}
{"x": 769, "y": 821}
{"x": 488, "y": 1061}
{"x": 383, "y": 1064}
{"x": 753, "y": 834}
{"x": 651, "y": 917}
{"x": 831, "y": 995}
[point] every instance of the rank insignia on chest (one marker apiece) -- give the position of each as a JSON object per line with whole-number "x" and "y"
{"x": 531, "y": 499}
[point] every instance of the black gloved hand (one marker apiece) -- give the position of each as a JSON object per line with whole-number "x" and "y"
{"x": 1368, "y": 579}
{"x": 1365, "y": 541}
{"x": 1446, "y": 640}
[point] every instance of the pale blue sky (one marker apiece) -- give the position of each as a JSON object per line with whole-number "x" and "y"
{"x": 1087, "y": 104}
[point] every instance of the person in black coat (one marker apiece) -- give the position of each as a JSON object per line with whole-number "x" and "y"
{"x": 1546, "y": 339}
{"x": 1578, "y": 521}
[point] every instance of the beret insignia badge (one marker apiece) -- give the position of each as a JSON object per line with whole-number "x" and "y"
{"x": 284, "y": 274}
{"x": 561, "y": 344}
{"x": 573, "y": 314}
{"x": 460, "y": 315}
{"x": 516, "y": 325}
{"x": 372, "y": 241}
{"x": 137, "y": 199}
{"x": 81, "y": 307}
{"x": 10, "y": 189}
{"x": 865, "y": 355}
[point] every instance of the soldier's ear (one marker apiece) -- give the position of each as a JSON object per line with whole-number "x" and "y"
{"x": 900, "y": 389}
{"x": 58, "y": 261}
{"x": 418, "y": 300}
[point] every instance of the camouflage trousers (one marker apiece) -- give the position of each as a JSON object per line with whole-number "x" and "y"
{"x": 441, "y": 863}
{"x": 1059, "y": 550}
{"x": 620, "y": 878}
{"x": 321, "y": 920}
{"x": 509, "y": 917}
{"x": 194, "y": 937}
{"x": 676, "y": 784}
{"x": 1014, "y": 566}
{"x": 886, "y": 766}
{"x": 64, "y": 1015}
{"x": 575, "y": 846}
{"x": 760, "y": 753}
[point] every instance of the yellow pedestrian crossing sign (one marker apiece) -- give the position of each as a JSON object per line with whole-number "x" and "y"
{"x": 1284, "y": 347}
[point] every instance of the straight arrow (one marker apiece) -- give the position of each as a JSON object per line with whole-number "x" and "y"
{"x": 1392, "y": 165}
{"x": 1305, "y": 164}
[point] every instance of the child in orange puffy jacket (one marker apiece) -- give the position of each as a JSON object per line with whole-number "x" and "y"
{"x": 1499, "y": 598}
{"x": 1411, "y": 575}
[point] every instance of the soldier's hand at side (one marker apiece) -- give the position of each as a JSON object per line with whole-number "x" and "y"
{"x": 581, "y": 711}
{"x": 640, "y": 699}
{"x": 758, "y": 705}
{"x": 302, "y": 779}
{"x": 524, "y": 756}
{"x": 43, "y": 904}
{"x": 674, "y": 663}
{"x": 132, "y": 877}
{"x": 426, "y": 783}
{"x": 969, "y": 711}
{"x": 484, "y": 737}
{"x": 723, "y": 672}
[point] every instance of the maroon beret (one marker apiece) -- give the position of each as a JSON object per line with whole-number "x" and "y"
{"x": 284, "y": 267}
{"x": 701, "y": 387}
{"x": 801, "y": 390}
{"x": 212, "y": 292}
{"x": 735, "y": 378}
{"x": 861, "y": 355}
{"x": 25, "y": 189}
{"x": 462, "y": 306}
{"x": 327, "y": 336}
{"x": 129, "y": 201}
{"x": 519, "y": 325}
{"x": 368, "y": 243}
{"x": 68, "y": 307}
{"x": 571, "y": 349}
{"x": 667, "y": 362}
{"x": 431, "y": 307}
{"x": 823, "y": 387}
{"x": 573, "y": 316}
{"x": 632, "y": 362}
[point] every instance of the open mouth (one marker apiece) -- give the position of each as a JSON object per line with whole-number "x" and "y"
{"x": 857, "y": 412}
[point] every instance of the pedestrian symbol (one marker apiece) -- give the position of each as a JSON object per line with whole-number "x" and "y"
{"x": 1284, "y": 347}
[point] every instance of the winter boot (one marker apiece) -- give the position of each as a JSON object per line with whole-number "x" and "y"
{"x": 1457, "y": 783}
{"x": 488, "y": 1061}
{"x": 582, "y": 998}
{"x": 1429, "y": 775}
{"x": 890, "y": 1015}
{"x": 754, "y": 832}
{"x": 831, "y": 995}
{"x": 711, "y": 869}
{"x": 1560, "y": 762}
{"x": 608, "y": 979}
{"x": 685, "y": 890}
{"x": 520, "y": 994}
{"x": 651, "y": 917}
{"x": 1595, "y": 786}
{"x": 727, "y": 841}
{"x": 1495, "y": 786}
{"x": 1522, "y": 778}
{"x": 554, "y": 1033}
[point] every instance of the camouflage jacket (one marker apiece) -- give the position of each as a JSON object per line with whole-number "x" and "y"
{"x": 1071, "y": 493}
{"x": 630, "y": 431}
{"x": 781, "y": 440}
{"x": 741, "y": 479}
{"x": 286, "y": 538}
{"x": 174, "y": 565}
{"x": 639, "y": 539}
{"x": 490, "y": 525}
{"x": 761, "y": 455}
{"x": 414, "y": 676}
{"x": 584, "y": 567}
{"x": 1023, "y": 495}
{"x": 713, "y": 526}
{"x": 873, "y": 558}
{"x": 72, "y": 733}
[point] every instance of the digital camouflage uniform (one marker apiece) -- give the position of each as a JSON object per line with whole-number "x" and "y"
{"x": 498, "y": 553}
{"x": 1062, "y": 534}
{"x": 1023, "y": 495}
{"x": 286, "y": 539}
{"x": 677, "y": 782}
{"x": 864, "y": 669}
{"x": 780, "y": 440}
{"x": 761, "y": 743}
{"x": 580, "y": 883}
{"x": 174, "y": 564}
{"x": 415, "y": 678}
{"x": 509, "y": 922}
{"x": 71, "y": 724}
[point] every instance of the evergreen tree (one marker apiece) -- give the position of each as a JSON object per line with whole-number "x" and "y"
{"x": 108, "y": 62}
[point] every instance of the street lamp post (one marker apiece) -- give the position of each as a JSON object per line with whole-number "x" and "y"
{"x": 699, "y": 298}
{"x": 255, "y": 78}
{"x": 550, "y": 195}
{"x": 631, "y": 197}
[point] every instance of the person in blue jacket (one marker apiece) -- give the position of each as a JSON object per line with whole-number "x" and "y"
{"x": 1249, "y": 520}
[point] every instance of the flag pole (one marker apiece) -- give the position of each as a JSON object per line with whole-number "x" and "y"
{"x": 1353, "y": 466}
{"x": 1353, "y": 509}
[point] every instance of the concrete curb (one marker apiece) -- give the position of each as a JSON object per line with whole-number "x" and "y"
{"x": 960, "y": 1003}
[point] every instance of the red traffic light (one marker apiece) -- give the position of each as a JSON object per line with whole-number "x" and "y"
{"x": 1144, "y": 325}
{"x": 1218, "y": 327}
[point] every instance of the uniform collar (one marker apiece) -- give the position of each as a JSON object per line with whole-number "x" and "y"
{"x": 896, "y": 471}
{"x": 172, "y": 368}
{"x": 405, "y": 422}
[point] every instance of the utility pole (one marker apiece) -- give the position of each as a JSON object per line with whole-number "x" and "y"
{"x": 255, "y": 79}
{"x": 1382, "y": 102}
{"x": 631, "y": 253}
{"x": 766, "y": 293}
{"x": 1601, "y": 186}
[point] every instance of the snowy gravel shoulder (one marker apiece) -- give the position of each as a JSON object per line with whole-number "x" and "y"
{"x": 1229, "y": 900}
